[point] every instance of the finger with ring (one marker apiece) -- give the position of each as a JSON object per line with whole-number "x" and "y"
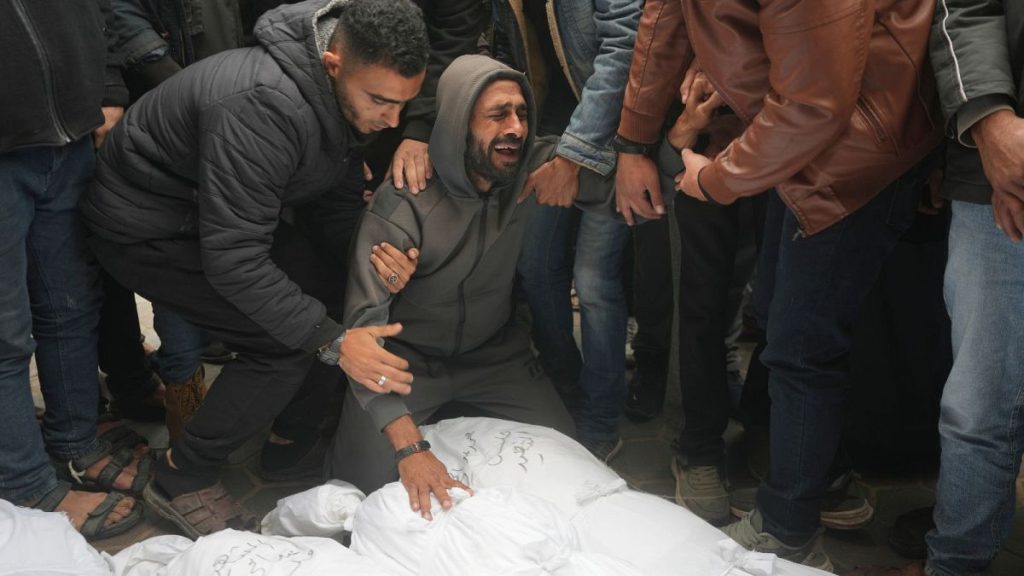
{"x": 393, "y": 279}
{"x": 382, "y": 380}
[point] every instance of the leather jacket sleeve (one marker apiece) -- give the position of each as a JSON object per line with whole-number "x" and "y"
{"x": 818, "y": 52}
{"x": 660, "y": 57}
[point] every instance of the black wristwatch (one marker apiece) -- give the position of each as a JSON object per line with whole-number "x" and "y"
{"x": 624, "y": 146}
{"x": 421, "y": 446}
{"x": 330, "y": 353}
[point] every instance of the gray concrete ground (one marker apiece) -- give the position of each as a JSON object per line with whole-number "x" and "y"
{"x": 644, "y": 463}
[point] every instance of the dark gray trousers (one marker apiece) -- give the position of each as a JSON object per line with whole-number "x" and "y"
{"x": 501, "y": 379}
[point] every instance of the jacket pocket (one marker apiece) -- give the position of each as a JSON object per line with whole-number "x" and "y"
{"x": 872, "y": 121}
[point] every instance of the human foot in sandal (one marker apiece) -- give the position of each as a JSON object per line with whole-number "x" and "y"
{"x": 95, "y": 514}
{"x": 104, "y": 470}
{"x": 198, "y": 505}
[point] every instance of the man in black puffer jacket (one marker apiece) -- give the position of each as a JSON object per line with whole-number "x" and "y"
{"x": 189, "y": 195}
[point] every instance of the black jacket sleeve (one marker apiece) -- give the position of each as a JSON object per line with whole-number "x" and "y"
{"x": 971, "y": 58}
{"x": 454, "y": 27}
{"x": 115, "y": 93}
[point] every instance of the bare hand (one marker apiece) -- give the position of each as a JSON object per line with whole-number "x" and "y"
{"x": 1000, "y": 139}
{"x": 637, "y": 190}
{"x": 111, "y": 116}
{"x": 423, "y": 474}
{"x": 394, "y": 267}
{"x": 691, "y": 74}
{"x": 411, "y": 164}
{"x": 933, "y": 201}
{"x": 367, "y": 177}
{"x": 366, "y": 361}
{"x": 703, "y": 101}
{"x": 686, "y": 182}
{"x": 1008, "y": 211}
{"x": 556, "y": 183}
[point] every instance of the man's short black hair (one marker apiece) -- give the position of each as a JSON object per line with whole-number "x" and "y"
{"x": 389, "y": 33}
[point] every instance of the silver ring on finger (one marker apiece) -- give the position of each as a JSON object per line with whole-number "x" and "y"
{"x": 382, "y": 381}
{"x": 393, "y": 279}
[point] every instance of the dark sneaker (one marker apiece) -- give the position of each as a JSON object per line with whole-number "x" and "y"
{"x": 603, "y": 451}
{"x": 908, "y": 532}
{"x": 748, "y": 532}
{"x": 843, "y": 507}
{"x": 700, "y": 489}
{"x": 646, "y": 393}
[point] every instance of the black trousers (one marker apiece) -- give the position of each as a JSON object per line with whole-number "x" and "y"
{"x": 265, "y": 378}
{"x": 652, "y": 294}
{"x": 710, "y": 239}
{"x": 121, "y": 356}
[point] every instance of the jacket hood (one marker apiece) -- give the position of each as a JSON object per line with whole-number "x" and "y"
{"x": 457, "y": 92}
{"x": 296, "y": 35}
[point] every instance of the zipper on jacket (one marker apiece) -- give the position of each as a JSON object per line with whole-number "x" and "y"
{"x": 45, "y": 68}
{"x": 476, "y": 261}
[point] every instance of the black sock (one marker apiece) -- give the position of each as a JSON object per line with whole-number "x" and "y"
{"x": 175, "y": 482}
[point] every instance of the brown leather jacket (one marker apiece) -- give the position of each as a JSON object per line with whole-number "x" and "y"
{"x": 836, "y": 95}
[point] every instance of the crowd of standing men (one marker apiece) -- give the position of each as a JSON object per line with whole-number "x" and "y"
{"x": 376, "y": 183}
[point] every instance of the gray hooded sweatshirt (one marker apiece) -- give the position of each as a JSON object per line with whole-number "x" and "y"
{"x": 461, "y": 293}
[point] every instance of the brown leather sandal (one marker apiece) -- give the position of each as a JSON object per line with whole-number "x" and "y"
{"x": 201, "y": 512}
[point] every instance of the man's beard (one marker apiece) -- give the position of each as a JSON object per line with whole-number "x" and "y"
{"x": 348, "y": 112}
{"x": 478, "y": 160}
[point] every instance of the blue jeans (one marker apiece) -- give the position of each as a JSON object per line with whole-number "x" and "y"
{"x": 181, "y": 346}
{"x": 981, "y": 423}
{"x": 50, "y": 299}
{"x": 547, "y": 268}
{"x": 817, "y": 285}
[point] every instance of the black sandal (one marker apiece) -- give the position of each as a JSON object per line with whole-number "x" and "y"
{"x": 93, "y": 528}
{"x": 73, "y": 471}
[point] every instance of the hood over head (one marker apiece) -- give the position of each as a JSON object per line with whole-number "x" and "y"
{"x": 296, "y": 35}
{"x": 457, "y": 92}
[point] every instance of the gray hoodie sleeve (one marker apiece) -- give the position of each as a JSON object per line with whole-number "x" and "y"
{"x": 367, "y": 301}
{"x": 971, "y": 58}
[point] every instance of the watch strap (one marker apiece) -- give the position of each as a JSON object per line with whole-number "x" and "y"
{"x": 626, "y": 146}
{"x": 330, "y": 354}
{"x": 421, "y": 446}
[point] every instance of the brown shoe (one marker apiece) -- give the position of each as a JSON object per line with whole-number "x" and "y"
{"x": 183, "y": 400}
{"x": 915, "y": 569}
{"x": 202, "y": 512}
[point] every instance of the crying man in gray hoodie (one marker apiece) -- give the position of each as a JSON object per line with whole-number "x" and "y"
{"x": 449, "y": 336}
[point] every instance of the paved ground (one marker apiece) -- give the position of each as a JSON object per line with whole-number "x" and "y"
{"x": 644, "y": 463}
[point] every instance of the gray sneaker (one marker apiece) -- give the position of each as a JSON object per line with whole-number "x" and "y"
{"x": 748, "y": 533}
{"x": 701, "y": 490}
{"x": 843, "y": 510}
